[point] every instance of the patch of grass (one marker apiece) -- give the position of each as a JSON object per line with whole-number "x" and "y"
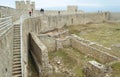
{"x": 79, "y": 72}
{"x": 116, "y": 70}
{"x": 103, "y": 33}
{"x": 72, "y": 59}
{"x": 68, "y": 60}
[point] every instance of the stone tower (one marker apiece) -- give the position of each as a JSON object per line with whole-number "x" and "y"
{"x": 22, "y": 5}
{"x": 72, "y": 8}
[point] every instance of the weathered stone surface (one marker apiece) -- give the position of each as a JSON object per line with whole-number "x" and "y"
{"x": 6, "y": 53}
{"x": 103, "y": 57}
{"x": 49, "y": 42}
{"x": 116, "y": 47}
{"x": 41, "y": 53}
{"x": 95, "y": 69}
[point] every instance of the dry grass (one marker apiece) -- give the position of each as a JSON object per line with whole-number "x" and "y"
{"x": 104, "y": 33}
{"x": 72, "y": 59}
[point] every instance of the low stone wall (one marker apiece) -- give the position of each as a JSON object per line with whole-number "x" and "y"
{"x": 49, "y": 42}
{"x": 6, "y": 53}
{"x": 101, "y": 56}
{"x": 95, "y": 69}
{"x": 41, "y": 54}
{"x": 53, "y": 44}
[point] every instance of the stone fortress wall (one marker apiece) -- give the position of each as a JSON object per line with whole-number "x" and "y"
{"x": 42, "y": 23}
{"x": 50, "y": 22}
{"x": 15, "y": 14}
{"x": 6, "y": 47}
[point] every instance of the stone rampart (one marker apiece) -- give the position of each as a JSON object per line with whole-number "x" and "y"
{"x": 7, "y": 11}
{"x": 6, "y": 48}
{"x": 51, "y": 22}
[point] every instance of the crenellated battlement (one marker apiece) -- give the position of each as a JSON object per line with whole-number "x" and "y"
{"x": 25, "y": 5}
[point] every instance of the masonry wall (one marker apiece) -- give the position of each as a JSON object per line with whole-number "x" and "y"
{"x": 7, "y": 11}
{"x": 114, "y": 16}
{"x": 99, "y": 55}
{"x": 95, "y": 69}
{"x": 58, "y": 21}
{"x": 6, "y": 53}
{"x": 28, "y": 25}
{"x": 41, "y": 53}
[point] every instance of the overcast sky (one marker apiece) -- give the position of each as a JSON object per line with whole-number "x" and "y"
{"x": 88, "y": 5}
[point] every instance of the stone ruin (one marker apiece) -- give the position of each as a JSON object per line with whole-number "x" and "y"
{"x": 16, "y": 39}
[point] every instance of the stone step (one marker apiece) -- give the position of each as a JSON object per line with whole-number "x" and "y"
{"x": 16, "y": 50}
{"x": 16, "y": 32}
{"x": 18, "y": 75}
{"x": 17, "y": 69}
{"x": 16, "y": 40}
{"x": 16, "y": 72}
{"x": 16, "y": 26}
{"x": 16, "y": 29}
{"x": 16, "y": 62}
{"x": 16, "y": 35}
{"x": 16, "y": 56}
{"x": 17, "y": 65}
{"x": 16, "y": 45}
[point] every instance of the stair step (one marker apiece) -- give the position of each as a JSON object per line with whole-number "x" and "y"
{"x": 15, "y": 50}
{"x": 17, "y": 59}
{"x": 16, "y": 72}
{"x": 17, "y": 69}
{"x": 16, "y": 26}
{"x": 16, "y": 62}
{"x": 16, "y": 47}
{"x": 18, "y": 75}
{"x": 17, "y": 35}
{"x": 16, "y": 53}
{"x": 16, "y": 43}
{"x": 16, "y": 56}
{"x": 16, "y": 29}
{"x": 17, "y": 65}
{"x": 15, "y": 40}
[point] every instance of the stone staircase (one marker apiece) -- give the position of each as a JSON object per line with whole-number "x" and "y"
{"x": 16, "y": 71}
